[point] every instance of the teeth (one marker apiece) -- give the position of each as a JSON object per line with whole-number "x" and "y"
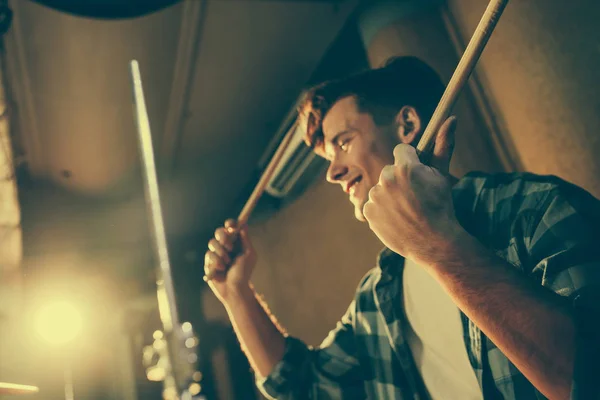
{"x": 352, "y": 188}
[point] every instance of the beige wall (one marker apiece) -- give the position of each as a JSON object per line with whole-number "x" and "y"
{"x": 540, "y": 71}
{"x": 423, "y": 34}
{"x": 311, "y": 258}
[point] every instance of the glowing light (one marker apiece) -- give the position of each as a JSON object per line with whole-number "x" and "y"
{"x": 156, "y": 374}
{"x": 197, "y": 376}
{"x": 159, "y": 345}
{"x": 186, "y": 327}
{"x": 58, "y": 322}
{"x": 194, "y": 389}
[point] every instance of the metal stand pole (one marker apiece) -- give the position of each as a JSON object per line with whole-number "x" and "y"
{"x": 69, "y": 392}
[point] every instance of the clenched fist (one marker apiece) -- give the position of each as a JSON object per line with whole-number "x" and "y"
{"x": 411, "y": 208}
{"x": 230, "y": 259}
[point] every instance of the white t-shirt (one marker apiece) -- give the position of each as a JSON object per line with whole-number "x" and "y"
{"x": 435, "y": 338}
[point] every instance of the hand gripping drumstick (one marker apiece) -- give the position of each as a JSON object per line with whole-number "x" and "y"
{"x": 260, "y": 186}
{"x": 424, "y": 148}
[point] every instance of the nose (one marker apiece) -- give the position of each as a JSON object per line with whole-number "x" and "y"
{"x": 336, "y": 171}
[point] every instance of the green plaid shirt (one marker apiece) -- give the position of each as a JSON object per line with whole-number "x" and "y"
{"x": 546, "y": 227}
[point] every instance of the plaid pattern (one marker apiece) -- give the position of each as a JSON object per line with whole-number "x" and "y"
{"x": 542, "y": 225}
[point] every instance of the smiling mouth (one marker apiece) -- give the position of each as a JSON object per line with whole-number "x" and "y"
{"x": 352, "y": 185}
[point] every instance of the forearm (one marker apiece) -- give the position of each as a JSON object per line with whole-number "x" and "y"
{"x": 261, "y": 339}
{"x": 533, "y": 326}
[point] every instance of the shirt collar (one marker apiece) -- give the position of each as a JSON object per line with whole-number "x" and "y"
{"x": 389, "y": 263}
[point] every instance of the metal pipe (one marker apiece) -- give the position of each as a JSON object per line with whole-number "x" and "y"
{"x": 167, "y": 304}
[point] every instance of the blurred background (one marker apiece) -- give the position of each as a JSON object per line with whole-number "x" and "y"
{"x": 77, "y": 274}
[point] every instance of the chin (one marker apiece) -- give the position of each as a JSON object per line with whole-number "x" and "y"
{"x": 358, "y": 214}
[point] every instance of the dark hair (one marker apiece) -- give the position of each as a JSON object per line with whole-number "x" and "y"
{"x": 381, "y": 92}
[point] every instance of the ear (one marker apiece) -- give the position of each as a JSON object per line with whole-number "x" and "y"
{"x": 409, "y": 125}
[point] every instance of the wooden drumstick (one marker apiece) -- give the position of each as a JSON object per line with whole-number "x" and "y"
{"x": 465, "y": 66}
{"x": 265, "y": 177}
{"x": 461, "y": 75}
{"x": 12, "y": 388}
{"x": 260, "y": 186}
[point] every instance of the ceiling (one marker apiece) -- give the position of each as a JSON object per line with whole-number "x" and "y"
{"x": 219, "y": 77}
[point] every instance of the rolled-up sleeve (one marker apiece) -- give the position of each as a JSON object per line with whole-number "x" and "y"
{"x": 331, "y": 371}
{"x": 565, "y": 251}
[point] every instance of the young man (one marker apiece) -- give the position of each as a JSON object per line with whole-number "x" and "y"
{"x": 486, "y": 286}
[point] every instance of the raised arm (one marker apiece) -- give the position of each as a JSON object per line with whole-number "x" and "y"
{"x": 233, "y": 258}
{"x": 286, "y": 368}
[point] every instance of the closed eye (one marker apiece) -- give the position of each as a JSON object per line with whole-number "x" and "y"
{"x": 341, "y": 141}
{"x": 344, "y": 143}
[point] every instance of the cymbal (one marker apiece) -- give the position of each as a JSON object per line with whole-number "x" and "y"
{"x": 13, "y": 388}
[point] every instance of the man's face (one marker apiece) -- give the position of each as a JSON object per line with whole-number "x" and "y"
{"x": 357, "y": 150}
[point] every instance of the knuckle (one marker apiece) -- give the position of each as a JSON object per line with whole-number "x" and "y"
{"x": 209, "y": 270}
{"x": 367, "y": 209}
{"x": 404, "y": 170}
{"x": 387, "y": 176}
{"x": 405, "y": 154}
{"x": 222, "y": 237}
{"x": 414, "y": 172}
{"x": 217, "y": 248}
{"x": 405, "y": 173}
{"x": 213, "y": 244}
{"x": 230, "y": 224}
{"x": 374, "y": 192}
{"x": 210, "y": 258}
{"x": 401, "y": 151}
